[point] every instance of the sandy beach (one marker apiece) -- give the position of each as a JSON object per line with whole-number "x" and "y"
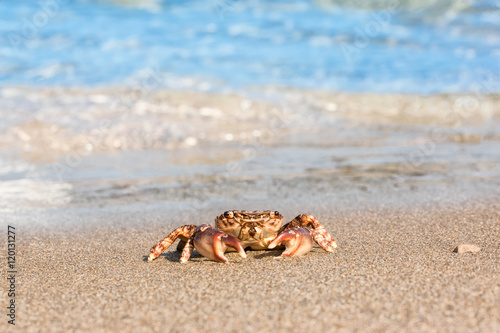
{"x": 394, "y": 271}
{"x": 123, "y": 120}
{"x": 398, "y": 192}
{"x": 398, "y": 189}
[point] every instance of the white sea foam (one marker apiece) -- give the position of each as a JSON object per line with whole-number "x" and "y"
{"x": 23, "y": 194}
{"x": 117, "y": 144}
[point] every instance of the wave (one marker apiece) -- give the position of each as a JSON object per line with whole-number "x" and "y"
{"x": 47, "y": 123}
{"x": 415, "y": 47}
{"x": 431, "y": 6}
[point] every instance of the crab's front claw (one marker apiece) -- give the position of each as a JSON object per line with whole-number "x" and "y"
{"x": 212, "y": 243}
{"x": 298, "y": 241}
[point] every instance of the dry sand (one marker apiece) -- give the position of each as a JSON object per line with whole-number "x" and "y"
{"x": 394, "y": 271}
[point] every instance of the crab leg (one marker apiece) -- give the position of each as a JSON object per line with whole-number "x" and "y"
{"x": 298, "y": 241}
{"x": 212, "y": 243}
{"x": 319, "y": 233}
{"x": 184, "y": 233}
{"x": 187, "y": 251}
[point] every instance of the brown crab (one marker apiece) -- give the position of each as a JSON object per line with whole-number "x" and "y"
{"x": 238, "y": 230}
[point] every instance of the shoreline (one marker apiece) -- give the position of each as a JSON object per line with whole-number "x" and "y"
{"x": 396, "y": 198}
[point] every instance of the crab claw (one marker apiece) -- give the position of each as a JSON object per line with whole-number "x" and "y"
{"x": 212, "y": 243}
{"x": 298, "y": 241}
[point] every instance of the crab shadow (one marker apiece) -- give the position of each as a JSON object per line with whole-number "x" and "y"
{"x": 268, "y": 253}
{"x": 174, "y": 256}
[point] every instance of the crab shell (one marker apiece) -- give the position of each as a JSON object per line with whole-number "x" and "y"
{"x": 255, "y": 230}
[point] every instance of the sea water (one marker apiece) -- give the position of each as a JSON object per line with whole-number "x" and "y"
{"x": 380, "y": 46}
{"x": 202, "y": 104}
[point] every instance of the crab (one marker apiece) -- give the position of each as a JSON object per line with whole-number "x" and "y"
{"x": 237, "y": 230}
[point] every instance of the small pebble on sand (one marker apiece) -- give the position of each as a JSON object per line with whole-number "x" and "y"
{"x": 462, "y": 248}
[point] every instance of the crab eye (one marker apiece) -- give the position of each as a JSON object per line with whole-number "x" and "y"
{"x": 276, "y": 213}
{"x": 228, "y": 214}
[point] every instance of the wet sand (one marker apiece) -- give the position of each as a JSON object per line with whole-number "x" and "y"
{"x": 394, "y": 270}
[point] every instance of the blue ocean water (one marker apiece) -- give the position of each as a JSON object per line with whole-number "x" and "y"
{"x": 393, "y": 46}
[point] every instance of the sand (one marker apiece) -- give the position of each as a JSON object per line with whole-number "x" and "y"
{"x": 394, "y": 270}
